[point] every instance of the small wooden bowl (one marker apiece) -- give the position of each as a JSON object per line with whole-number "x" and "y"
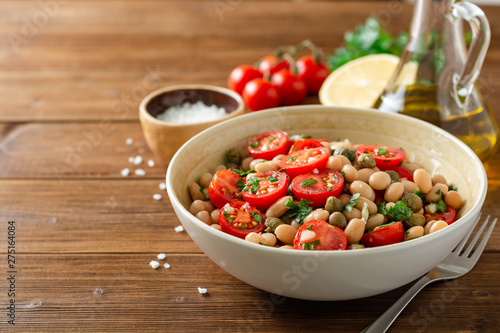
{"x": 165, "y": 138}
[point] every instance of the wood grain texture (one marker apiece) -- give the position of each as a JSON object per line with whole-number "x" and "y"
{"x": 122, "y": 293}
{"x": 70, "y": 86}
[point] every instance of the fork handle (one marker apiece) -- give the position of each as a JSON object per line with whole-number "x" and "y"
{"x": 387, "y": 318}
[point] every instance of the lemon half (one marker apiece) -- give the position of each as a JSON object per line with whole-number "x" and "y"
{"x": 360, "y": 82}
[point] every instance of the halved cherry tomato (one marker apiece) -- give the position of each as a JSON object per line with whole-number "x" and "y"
{"x": 305, "y": 144}
{"x": 263, "y": 189}
{"x": 317, "y": 188}
{"x": 224, "y": 188}
{"x": 403, "y": 173}
{"x": 325, "y": 237}
{"x": 304, "y": 161}
{"x": 271, "y": 64}
{"x": 385, "y": 157}
{"x": 239, "y": 219}
{"x": 269, "y": 144}
{"x": 240, "y": 76}
{"x": 449, "y": 215}
{"x": 385, "y": 234}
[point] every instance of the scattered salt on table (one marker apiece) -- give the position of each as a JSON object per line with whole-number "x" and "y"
{"x": 140, "y": 172}
{"x": 202, "y": 290}
{"x": 166, "y": 265}
{"x": 129, "y": 141}
{"x": 155, "y": 264}
{"x": 151, "y": 163}
{"x": 162, "y": 186}
{"x": 157, "y": 196}
{"x": 188, "y": 113}
{"x": 161, "y": 256}
{"x": 125, "y": 172}
{"x": 131, "y": 159}
{"x": 179, "y": 228}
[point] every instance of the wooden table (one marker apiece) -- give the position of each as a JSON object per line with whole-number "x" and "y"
{"x": 72, "y": 74}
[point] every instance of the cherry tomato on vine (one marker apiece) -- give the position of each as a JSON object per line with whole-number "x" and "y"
{"x": 259, "y": 94}
{"x": 291, "y": 88}
{"x": 239, "y": 218}
{"x": 224, "y": 188}
{"x": 385, "y": 234}
{"x": 320, "y": 236}
{"x": 240, "y": 76}
{"x": 304, "y": 161}
{"x": 271, "y": 64}
{"x": 385, "y": 157}
{"x": 263, "y": 189}
{"x": 318, "y": 187}
{"x": 268, "y": 145}
{"x": 448, "y": 216}
{"x": 312, "y": 73}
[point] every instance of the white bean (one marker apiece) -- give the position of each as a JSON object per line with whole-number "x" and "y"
{"x": 194, "y": 191}
{"x": 216, "y": 226}
{"x": 199, "y": 205}
{"x": 354, "y": 230}
{"x": 410, "y": 187}
{"x": 394, "y": 192}
{"x": 215, "y": 216}
{"x": 414, "y": 232}
{"x": 205, "y": 217}
{"x": 438, "y": 225}
{"x": 255, "y": 162}
{"x": 353, "y": 214}
{"x": 439, "y": 178}
{"x": 245, "y": 164}
{"x": 285, "y": 233}
{"x": 278, "y": 208}
{"x": 317, "y": 214}
{"x": 372, "y": 207}
{"x": 364, "y": 174}
{"x": 436, "y": 192}
{"x": 350, "y": 173}
{"x": 205, "y": 179}
{"x": 265, "y": 166}
{"x": 270, "y": 238}
{"x": 363, "y": 189}
{"x": 374, "y": 221}
{"x": 453, "y": 199}
{"x": 255, "y": 238}
{"x": 423, "y": 180}
{"x": 379, "y": 180}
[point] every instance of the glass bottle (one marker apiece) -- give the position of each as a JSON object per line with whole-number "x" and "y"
{"x": 436, "y": 77}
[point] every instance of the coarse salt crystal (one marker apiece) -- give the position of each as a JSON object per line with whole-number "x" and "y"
{"x": 125, "y": 172}
{"x": 166, "y": 265}
{"x": 151, "y": 163}
{"x": 138, "y": 160}
{"x": 157, "y": 196}
{"x": 162, "y": 186}
{"x": 202, "y": 290}
{"x": 140, "y": 172}
{"x": 179, "y": 228}
{"x": 155, "y": 264}
{"x": 161, "y": 256}
{"x": 131, "y": 159}
{"x": 129, "y": 141}
{"x": 188, "y": 113}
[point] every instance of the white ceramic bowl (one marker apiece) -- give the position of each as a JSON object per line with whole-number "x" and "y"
{"x": 330, "y": 275}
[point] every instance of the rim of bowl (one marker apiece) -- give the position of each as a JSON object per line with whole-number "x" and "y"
{"x": 240, "y": 110}
{"x": 372, "y": 250}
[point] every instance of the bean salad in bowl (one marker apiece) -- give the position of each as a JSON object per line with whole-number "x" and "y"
{"x": 283, "y": 227}
{"x": 295, "y": 192}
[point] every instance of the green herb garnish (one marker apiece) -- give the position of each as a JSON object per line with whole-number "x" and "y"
{"x": 203, "y": 192}
{"x": 242, "y": 173}
{"x": 352, "y": 202}
{"x": 420, "y": 194}
{"x": 311, "y": 245}
{"x": 257, "y": 217}
{"x": 298, "y": 210}
{"x": 308, "y": 182}
{"x": 381, "y": 151}
{"x": 241, "y": 184}
{"x": 254, "y": 144}
{"x": 226, "y": 215}
{"x": 272, "y": 179}
{"x": 400, "y": 211}
{"x": 310, "y": 227}
{"x": 381, "y": 208}
{"x": 291, "y": 158}
{"x": 441, "y": 206}
{"x": 253, "y": 184}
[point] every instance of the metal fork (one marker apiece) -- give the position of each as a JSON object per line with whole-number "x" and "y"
{"x": 453, "y": 266}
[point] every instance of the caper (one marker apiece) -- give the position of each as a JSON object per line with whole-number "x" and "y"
{"x": 415, "y": 220}
{"x": 413, "y": 201}
{"x": 233, "y": 157}
{"x": 272, "y": 223}
{"x": 334, "y": 204}
{"x": 349, "y": 153}
{"x": 366, "y": 161}
{"x": 337, "y": 219}
{"x": 394, "y": 176}
{"x": 355, "y": 246}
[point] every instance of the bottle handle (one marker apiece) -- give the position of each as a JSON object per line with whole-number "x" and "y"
{"x": 464, "y": 82}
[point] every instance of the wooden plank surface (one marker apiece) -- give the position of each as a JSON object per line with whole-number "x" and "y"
{"x": 69, "y": 93}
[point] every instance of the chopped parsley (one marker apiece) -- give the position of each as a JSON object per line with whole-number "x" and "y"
{"x": 242, "y": 173}
{"x": 311, "y": 245}
{"x": 420, "y": 194}
{"x": 226, "y": 215}
{"x": 252, "y": 184}
{"x": 451, "y": 188}
{"x": 298, "y": 210}
{"x": 291, "y": 158}
{"x": 381, "y": 151}
{"x": 270, "y": 139}
{"x": 257, "y": 217}
{"x": 439, "y": 192}
{"x": 381, "y": 208}
{"x": 342, "y": 173}
{"x": 241, "y": 184}
{"x": 254, "y": 144}
{"x": 441, "y": 206}
{"x": 272, "y": 179}
{"x": 352, "y": 202}
{"x": 203, "y": 192}
{"x": 400, "y": 212}
{"x": 310, "y": 227}
{"x": 308, "y": 182}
